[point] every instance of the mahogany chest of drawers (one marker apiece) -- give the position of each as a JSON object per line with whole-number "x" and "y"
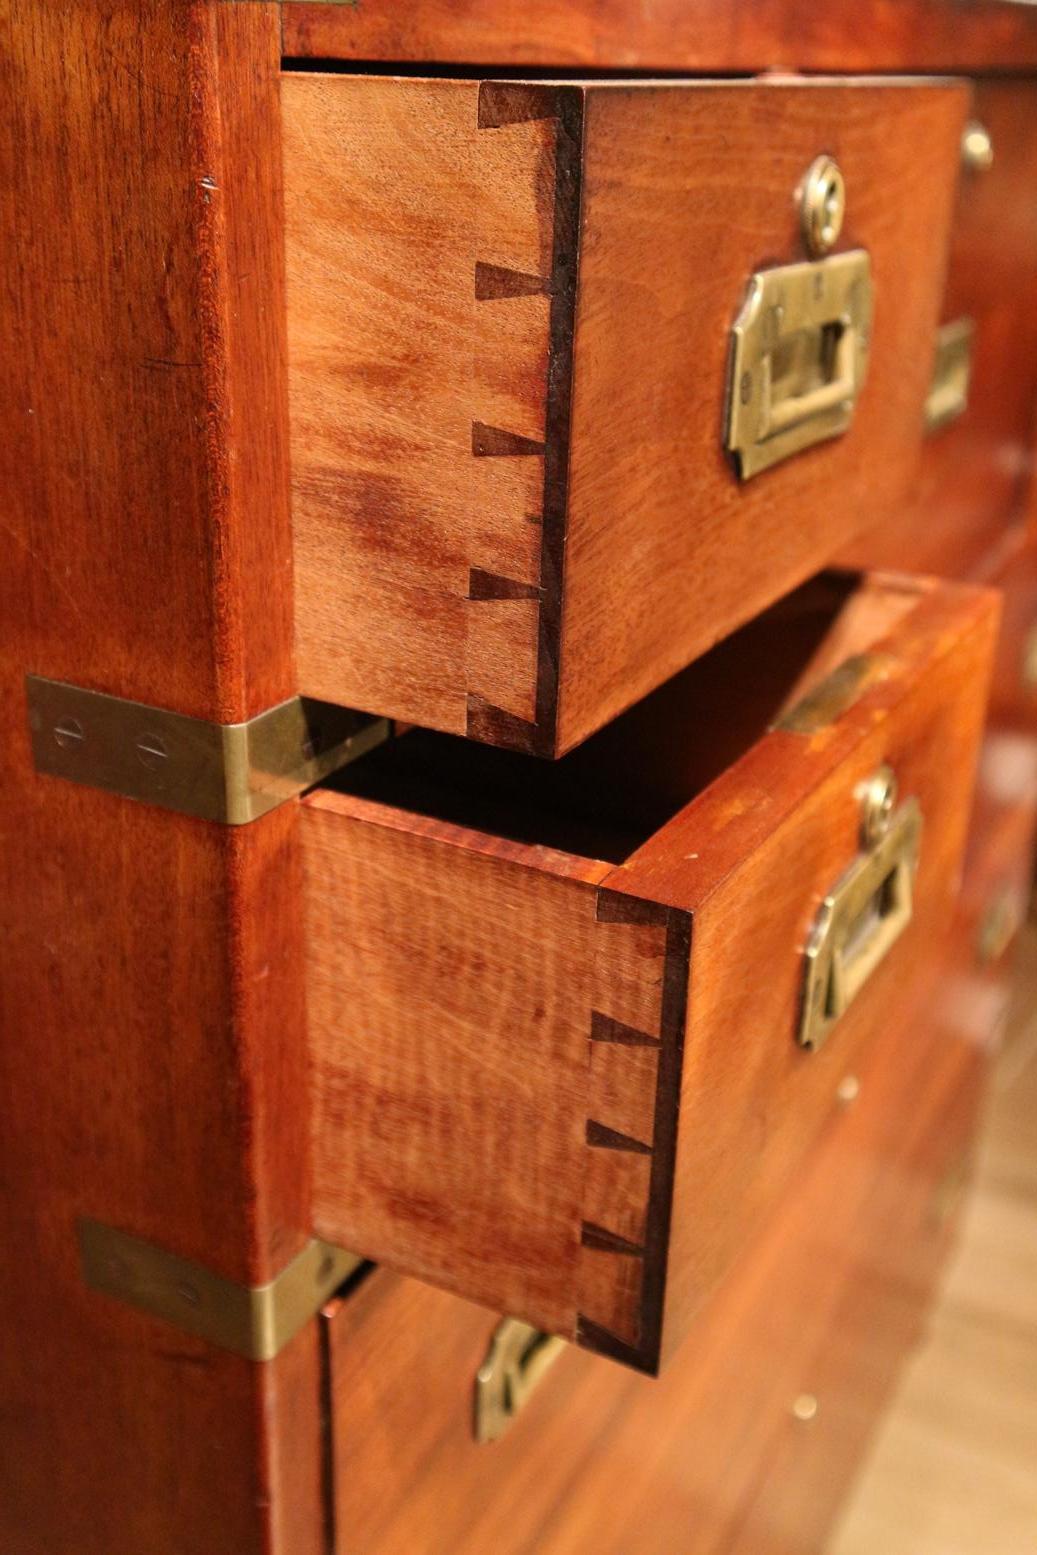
{"x": 504, "y": 519}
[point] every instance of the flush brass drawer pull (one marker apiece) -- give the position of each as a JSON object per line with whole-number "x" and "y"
{"x": 948, "y": 395}
{"x": 516, "y": 1363}
{"x": 799, "y": 352}
{"x": 865, "y": 913}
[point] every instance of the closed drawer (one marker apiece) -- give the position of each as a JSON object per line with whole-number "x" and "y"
{"x": 521, "y": 973}
{"x": 510, "y": 315}
{"x": 725, "y": 1452}
{"x": 977, "y": 460}
{"x": 997, "y": 881}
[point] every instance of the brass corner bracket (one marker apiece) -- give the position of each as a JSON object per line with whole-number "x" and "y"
{"x": 232, "y": 773}
{"x": 254, "y": 1321}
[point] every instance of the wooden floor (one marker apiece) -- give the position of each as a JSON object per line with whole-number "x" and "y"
{"x": 953, "y": 1469}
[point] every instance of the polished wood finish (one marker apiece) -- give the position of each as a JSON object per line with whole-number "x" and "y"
{"x": 154, "y": 1066}
{"x": 709, "y": 1459}
{"x": 689, "y": 35}
{"x": 497, "y": 1029}
{"x": 975, "y": 476}
{"x": 151, "y": 1065}
{"x": 1013, "y": 693}
{"x": 475, "y": 551}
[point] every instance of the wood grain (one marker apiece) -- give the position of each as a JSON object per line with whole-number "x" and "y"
{"x": 1013, "y": 694}
{"x": 666, "y": 550}
{"x": 690, "y": 35}
{"x": 474, "y": 552}
{"x": 975, "y": 476}
{"x": 151, "y": 1062}
{"x": 752, "y": 856}
{"x": 420, "y": 396}
{"x": 497, "y": 1032}
{"x": 707, "y": 1459}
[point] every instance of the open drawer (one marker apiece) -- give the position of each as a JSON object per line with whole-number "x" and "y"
{"x": 575, "y": 1024}
{"x": 451, "y": 1433}
{"x": 584, "y": 375}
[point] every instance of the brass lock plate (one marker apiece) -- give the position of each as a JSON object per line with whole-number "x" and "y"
{"x": 799, "y": 355}
{"x": 858, "y": 923}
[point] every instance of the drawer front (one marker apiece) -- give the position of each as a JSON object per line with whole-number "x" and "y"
{"x": 759, "y": 1423}
{"x": 504, "y": 1033}
{"x": 976, "y": 467}
{"x": 510, "y": 314}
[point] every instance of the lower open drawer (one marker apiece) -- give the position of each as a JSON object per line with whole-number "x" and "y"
{"x": 574, "y": 1025}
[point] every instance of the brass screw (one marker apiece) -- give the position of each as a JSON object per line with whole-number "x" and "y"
{"x": 822, "y": 204}
{"x": 848, "y": 1089}
{"x": 878, "y": 797}
{"x": 69, "y": 733}
{"x": 151, "y": 751}
{"x": 977, "y": 149}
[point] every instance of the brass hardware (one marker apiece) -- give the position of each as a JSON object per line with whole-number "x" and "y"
{"x": 822, "y": 205}
{"x": 834, "y": 695}
{"x": 217, "y": 772}
{"x": 948, "y": 395}
{"x": 254, "y": 1321}
{"x": 863, "y": 915}
{"x": 799, "y": 353}
{"x": 998, "y": 928}
{"x": 805, "y": 1407}
{"x": 848, "y": 1089}
{"x": 878, "y": 797}
{"x": 977, "y": 149}
{"x": 516, "y": 1362}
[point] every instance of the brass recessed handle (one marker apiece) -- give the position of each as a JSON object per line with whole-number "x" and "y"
{"x": 799, "y": 353}
{"x": 948, "y": 395}
{"x": 864, "y": 914}
{"x": 517, "y": 1361}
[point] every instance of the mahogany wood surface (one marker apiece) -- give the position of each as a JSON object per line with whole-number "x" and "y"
{"x": 667, "y": 35}
{"x": 497, "y": 1037}
{"x": 513, "y": 512}
{"x": 997, "y": 879}
{"x": 151, "y": 1064}
{"x": 1013, "y": 693}
{"x": 709, "y": 1458}
{"x": 975, "y": 475}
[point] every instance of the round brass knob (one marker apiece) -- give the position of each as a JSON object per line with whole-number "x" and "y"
{"x": 822, "y": 204}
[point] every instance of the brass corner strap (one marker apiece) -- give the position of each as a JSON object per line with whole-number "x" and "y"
{"x": 254, "y": 1321}
{"x": 232, "y": 773}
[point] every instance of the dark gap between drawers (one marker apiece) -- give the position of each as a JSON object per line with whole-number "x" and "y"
{"x": 422, "y": 70}
{"x": 606, "y": 798}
